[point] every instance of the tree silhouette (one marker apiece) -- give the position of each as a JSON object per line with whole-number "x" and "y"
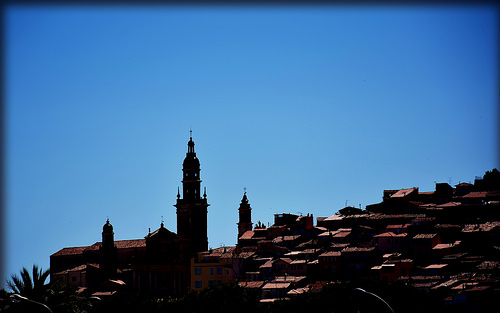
{"x": 30, "y": 286}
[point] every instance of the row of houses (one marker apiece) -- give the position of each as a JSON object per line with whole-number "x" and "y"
{"x": 446, "y": 240}
{"x": 406, "y": 237}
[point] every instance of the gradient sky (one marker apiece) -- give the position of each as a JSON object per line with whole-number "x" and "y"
{"x": 309, "y": 108}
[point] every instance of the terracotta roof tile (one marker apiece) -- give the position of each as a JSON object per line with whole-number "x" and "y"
{"x": 358, "y": 249}
{"x": 403, "y": 192}
{"x": 134, "y": 243}
{"x": 390, "y": 234}
{"x": 424, "y": 236}
{"x": 282, "y": 285}
{"x": 247, "y": 235}
{"x": 330, "y": 253}
{"x": 70, "y": 251}
{"x": 475, "y": 195}
{"x": 251, "y": 284}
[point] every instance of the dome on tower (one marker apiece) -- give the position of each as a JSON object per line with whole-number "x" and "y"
{"x": 191, "y": 160}
{"x": 107, "y": 228}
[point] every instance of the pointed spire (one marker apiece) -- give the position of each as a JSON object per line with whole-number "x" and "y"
{"x": 190, "y": 142}
{"x": 205, "y": 193}
{"x": 178, "y": 193}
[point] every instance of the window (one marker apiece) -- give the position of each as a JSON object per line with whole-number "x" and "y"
{"x": 219, "y": 270}
{"x": 197, "y": 284}
{"x": 211, "y": 283}
{"x": 212, "y": 271}
{"x": 226, "y": 272}
{"x": 197, "y": 270}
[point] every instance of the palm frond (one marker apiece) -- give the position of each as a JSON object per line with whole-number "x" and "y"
{"x": 27, "y": 282}
{"x": 15, "y": 284}
{"x": 39, "y": 277}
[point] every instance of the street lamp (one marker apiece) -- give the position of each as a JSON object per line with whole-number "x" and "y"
{"x": 375, "y": 296}
{"x": 22, "y": 298}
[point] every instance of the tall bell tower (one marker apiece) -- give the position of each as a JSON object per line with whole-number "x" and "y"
{"x": 192, "y": 209}
{"x": 245, "y": 216}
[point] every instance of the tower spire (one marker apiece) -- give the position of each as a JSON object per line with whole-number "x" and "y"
{"x": 192, "y": 206}
{"x": 245, "y": 215}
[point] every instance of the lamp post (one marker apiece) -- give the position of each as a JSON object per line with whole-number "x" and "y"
{"x": 375, "y": 296}
{"x": 22, "y": 298}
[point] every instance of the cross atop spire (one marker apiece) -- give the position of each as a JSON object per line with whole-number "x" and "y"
{"x": 190, "y": 133}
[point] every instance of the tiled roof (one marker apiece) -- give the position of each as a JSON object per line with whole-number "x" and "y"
{"x": 251, "y": 284}
{"x": 286, "y": 260}
{"x": 330, "y": 253}
{"x": 299, "y": 262}
{"x": 395, "y": 226}
{"x": 70, "y": 251}
{"x": 403, "y": 192}
{"x": 218, "y": 252}
{"x": 446, "y": 245}
{"x": 342, "y": 234}
{"x": 475, "y": 195}
{"x": 120, "y": 244}
{"x": 480, "y": 227}
{"x": 244, "y": 255}
{"x": 267, "y": 264}
{"x": 298, "y": 291}
{"x": 358, "y": 249}
{"x": 288, "y": 278}
{"x": 74, "y": 269}
{"x": 449, "y": 205}
{"x": 134, "y": 243}
{"x": 424, "y": 236}
{"x": 390, "y": 234}
{"x": 277, "y": 285}
{"x": 447, "y": 226}
{"x": 285, "y": 238}
{"x": 335, "y": 217}
{"x": 436, "y": 266}
{"x": 247, "y": 235}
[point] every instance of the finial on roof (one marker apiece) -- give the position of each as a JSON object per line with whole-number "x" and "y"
{"x": 178, "y": 193}
{"x": 190, "y": 133}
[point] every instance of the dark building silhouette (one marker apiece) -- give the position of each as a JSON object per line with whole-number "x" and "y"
{"x": 108, "y": 252}
{"x": 245, "y": 216}
{"x": 192, "y": 209}
{"x": 159, "y": 264}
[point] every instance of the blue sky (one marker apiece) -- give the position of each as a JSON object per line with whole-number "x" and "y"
{"x": 309, "y": 108}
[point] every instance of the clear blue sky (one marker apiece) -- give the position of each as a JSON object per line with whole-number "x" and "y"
{"x": 307, "y": 107}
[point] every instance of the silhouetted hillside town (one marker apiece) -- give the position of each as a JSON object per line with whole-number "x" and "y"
{"x": 447, "y": 239}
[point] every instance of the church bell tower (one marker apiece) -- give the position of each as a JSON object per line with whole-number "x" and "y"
{"x": 245, "y": 216}
{"x": 192, "y": 209}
